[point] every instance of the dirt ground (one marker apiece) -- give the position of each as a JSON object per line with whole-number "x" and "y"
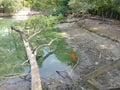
{"x": 97, "y": 44}
{"x": 15, "y": 84}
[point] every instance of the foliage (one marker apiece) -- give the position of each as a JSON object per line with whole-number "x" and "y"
{"x": 46, "y": 6}
{"x": 63, "y": 53}
{"x": 11, "y": 5}
{"x": 62, "y": 7}
{"x": 61, "y": 10}
{"x": 50, "y": 6}
{"x": 11, "y": 50}
{"x": 79, "y": 6}
{"x": 41, "y": 21}
{"x": 61, "y": 18}
{"x": 106, "y": 8}
{"x": 49, "y": 32}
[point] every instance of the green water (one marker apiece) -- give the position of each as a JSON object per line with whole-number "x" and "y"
{"x": 12, "y": 55}
{"x": 11, "y": 49}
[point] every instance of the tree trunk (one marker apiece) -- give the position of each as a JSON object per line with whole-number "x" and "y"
{"x": 36, "y": 81}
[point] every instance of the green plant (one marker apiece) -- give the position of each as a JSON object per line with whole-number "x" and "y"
{"x": 37, "y": 23}
{"x": 106, "y": 8}
{"x": 62, "y": 7}
{"x": 11, "y": 5}
{"x": 79, "y": 6}
{"x": 61, "y": 10}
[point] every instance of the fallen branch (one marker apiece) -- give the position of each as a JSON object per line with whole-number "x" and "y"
{"x": 103, "y": 69}
{"x": 14, "y": 75}
{"x": 66, "y": 75}
{"x": 90, "y": 77}
{"x": 25, "y": 62}
{"x": 75, "y": 66}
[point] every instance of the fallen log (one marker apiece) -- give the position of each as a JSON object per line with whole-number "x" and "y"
{"x": 35, "y": 81}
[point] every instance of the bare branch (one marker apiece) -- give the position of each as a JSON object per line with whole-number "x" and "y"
{"x": 64, "y": 74}
{"x": 34, "y": 34}
{"x": 103, "y": 69}
{"x": 14, "y": 75}
{"x": 25, "y": 62}
{"x": 17, "y": 30}
{"x": 22, "y": 34}
{"x": 40, "y": 46}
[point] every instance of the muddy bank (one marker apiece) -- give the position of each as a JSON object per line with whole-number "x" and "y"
{"x": 107, "y": 29}
{"x": 96, "y": 49}
{"x": 15, "y": 84}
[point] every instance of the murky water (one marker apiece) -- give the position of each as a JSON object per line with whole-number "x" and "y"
{"x": 50, "y": 65}
{"x": 12, "y": 55}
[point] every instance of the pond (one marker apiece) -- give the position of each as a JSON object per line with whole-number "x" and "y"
{"x": 12, "y": 55}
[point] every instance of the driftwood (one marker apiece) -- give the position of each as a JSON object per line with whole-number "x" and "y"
{"x": 13, "y": 75}
{"x": 36, "y": 81}
{"x": 90, "y": 77}
{"x": 103, "y": 69}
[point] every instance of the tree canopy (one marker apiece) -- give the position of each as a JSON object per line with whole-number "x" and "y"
{"x": 11, "y": 5}
{"x": 106, "y": 8}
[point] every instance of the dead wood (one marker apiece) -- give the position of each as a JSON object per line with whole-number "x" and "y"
{"x": 34, "y": 34}
{"x": 97, "y": 86}
{"x": 13, "y": 75}
{"x": 36, "y": 81}
{"x": 103, "y": 69}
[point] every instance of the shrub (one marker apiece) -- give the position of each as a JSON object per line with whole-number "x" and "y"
{"x": 12, "y": 5}
{"x": 79, "y": 6}
{"x": 62, "y": 8}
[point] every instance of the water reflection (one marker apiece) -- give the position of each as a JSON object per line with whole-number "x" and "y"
{"x": 5, "y": 32}
{"x": 50, "y": 65}
{"x": 12, "y": 52}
